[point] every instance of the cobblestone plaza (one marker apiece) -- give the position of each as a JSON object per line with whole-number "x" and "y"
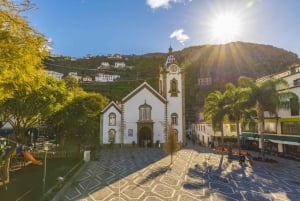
{"x": 126, "y": 174}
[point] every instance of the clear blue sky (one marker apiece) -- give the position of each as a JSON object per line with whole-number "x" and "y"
{"x": 80, "y": 27}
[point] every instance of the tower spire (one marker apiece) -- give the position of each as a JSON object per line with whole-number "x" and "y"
{"x": 170, "y": 48}
{"x": 170, "y": 59}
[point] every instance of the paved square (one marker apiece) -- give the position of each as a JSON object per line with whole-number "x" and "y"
{"x": 196, "y": 174}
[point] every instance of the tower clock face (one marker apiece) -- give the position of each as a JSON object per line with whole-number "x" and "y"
{"x": 173, "y": 68}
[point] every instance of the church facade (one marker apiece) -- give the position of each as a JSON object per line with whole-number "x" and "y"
{"x": 143, "y": 116}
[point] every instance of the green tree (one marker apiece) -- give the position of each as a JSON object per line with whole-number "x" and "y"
{"x": 236, "y": 99}
{"x": 215, "y": 110}
{"x": 71, "y": 82}
{"x": 79, "y": 119}
{"x": 27, "y": 107}
{"x": 266, "y": 96}
{"x": 171, "y": 145}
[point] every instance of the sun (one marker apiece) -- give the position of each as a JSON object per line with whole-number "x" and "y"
{"x": 225, "y": 28}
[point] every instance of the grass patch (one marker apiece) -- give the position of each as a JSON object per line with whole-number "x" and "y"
{"x": 60, "y": 183}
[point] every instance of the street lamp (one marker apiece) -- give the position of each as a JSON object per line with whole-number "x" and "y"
{"x": 46, "y": 148}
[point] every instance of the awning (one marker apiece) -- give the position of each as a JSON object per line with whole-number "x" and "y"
{"x": 281, "y": 139}
{"x": 251, "y": 136}
{"x": 285, "y": 142}
{"x": 6, "y": 131}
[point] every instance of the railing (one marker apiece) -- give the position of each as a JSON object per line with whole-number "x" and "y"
{"x": 50, "y": 154}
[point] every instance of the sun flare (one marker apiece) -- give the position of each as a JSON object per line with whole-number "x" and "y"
{"x": 225, "y": 28}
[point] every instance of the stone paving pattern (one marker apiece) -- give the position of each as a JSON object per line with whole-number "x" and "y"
{"x": 127, "y": 174}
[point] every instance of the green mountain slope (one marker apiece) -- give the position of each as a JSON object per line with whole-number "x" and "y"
{"x": 222, "y": 63}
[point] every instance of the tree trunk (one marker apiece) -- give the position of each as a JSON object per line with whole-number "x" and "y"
{"x": 19, "y": 135}
{"x": 222, "y": 134}
{"x": 237, "y": 123}
{"x": 260, "y": 118}
{"x": 62, "y": 140}
{"x": 277, "y": 121}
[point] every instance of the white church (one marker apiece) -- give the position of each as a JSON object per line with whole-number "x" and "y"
{"x": 143, "y": 116}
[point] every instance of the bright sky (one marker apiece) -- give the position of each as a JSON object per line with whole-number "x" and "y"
{"x": 100, "y": 27}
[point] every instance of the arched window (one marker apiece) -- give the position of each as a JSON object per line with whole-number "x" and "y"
{"x": 174, "y": 119}
{"x": 174, "y": 87}
{"x": 112, "y": 119}
{"x": 112, "y": 135}
{"x": 145, "y": 112}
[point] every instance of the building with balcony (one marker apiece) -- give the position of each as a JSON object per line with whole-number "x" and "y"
{"x": 282, "y": 132}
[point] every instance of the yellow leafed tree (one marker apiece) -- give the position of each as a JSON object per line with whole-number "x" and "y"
{"x": 171, "y": 145}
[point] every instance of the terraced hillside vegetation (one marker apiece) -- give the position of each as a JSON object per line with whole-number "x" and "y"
{"x": 221, "y": 63}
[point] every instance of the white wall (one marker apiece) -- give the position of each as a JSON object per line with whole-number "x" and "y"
{"x": 131, "y": 115}
{"x": 106, "y": 126}
{"x": 205, "y": 130}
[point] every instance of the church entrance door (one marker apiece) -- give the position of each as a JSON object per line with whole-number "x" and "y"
{"x": 145, "y": 137}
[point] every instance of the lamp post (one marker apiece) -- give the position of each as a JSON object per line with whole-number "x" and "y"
{"x": 46, "y": 148}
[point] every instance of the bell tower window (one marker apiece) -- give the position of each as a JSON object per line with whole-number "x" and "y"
{"x": 174, "y": 87}
{"x": 174, "y": 119}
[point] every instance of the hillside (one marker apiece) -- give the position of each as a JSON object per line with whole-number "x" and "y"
{"x": 223, "y": 63}
{"x": 226, "y": 63}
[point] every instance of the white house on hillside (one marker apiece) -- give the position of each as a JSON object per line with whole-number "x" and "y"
{"x": 120, "y": 65}
{"x": 101, "y": 77}
{"x": 73, "y": 74}
{"x": 205, "y": 81}
{"x": 54, "y": 74}
{"x": 87, "y": 79}
{"x": 104, "y": 65}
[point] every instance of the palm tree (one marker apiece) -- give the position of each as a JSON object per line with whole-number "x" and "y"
{"x": 236, "y": 99}
{"x": 214, "y": 109}
{"x": 266, "y": 96}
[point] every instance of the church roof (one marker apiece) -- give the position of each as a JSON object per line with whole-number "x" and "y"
{"x": 170, "y": 59}
{"x": 141, "y": 87}
{"x": 111, "y": 104}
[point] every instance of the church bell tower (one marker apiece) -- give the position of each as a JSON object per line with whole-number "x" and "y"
{"x": 171, "y": 86}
